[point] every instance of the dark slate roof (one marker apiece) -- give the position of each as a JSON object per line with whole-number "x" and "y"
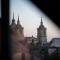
{"x": 55, "y": 42}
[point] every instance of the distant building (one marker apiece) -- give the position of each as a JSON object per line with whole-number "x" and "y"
{"x": 41, "y": 34}
{"x": 29, "y": 39}
{"x": 21, "y": 45}
{"x": 53, "y": 45}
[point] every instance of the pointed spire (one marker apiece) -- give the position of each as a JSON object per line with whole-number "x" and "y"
{"x": 18, "y": 17}
{"x": 32, "y": 40}
{"x": 41, "y": 21}
{"x": 13, "y": 20}
{"x": 18, "y": 22}
{"x": 13, "y": 15}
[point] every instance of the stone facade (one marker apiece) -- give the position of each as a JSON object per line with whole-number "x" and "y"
{"x": 20, "y": 47}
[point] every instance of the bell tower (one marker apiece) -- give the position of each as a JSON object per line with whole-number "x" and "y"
{"x": 41, "y": 33}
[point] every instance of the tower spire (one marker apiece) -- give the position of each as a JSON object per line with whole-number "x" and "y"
{"x": 13, "y": 15}
{"x": 41, "y": 21}
{"x": 18, "y": 22}
{"x": 13, "y": 20}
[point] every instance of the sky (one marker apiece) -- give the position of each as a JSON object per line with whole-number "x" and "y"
{"x": 30, "y": 18}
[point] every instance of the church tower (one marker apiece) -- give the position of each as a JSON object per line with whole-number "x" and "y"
{"x": 41, "y": 34}
{"x": 20, "y": 33}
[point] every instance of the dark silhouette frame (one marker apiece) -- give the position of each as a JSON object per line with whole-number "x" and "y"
{"x": 5, "y": 41}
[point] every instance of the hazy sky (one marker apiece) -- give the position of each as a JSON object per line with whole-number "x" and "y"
{"x": 30, "y": 18}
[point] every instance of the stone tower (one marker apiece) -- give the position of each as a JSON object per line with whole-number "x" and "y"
{"x": 19, "y": 32}
{"x": 41, "y": 34}
{"x": 20, "y": 47}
